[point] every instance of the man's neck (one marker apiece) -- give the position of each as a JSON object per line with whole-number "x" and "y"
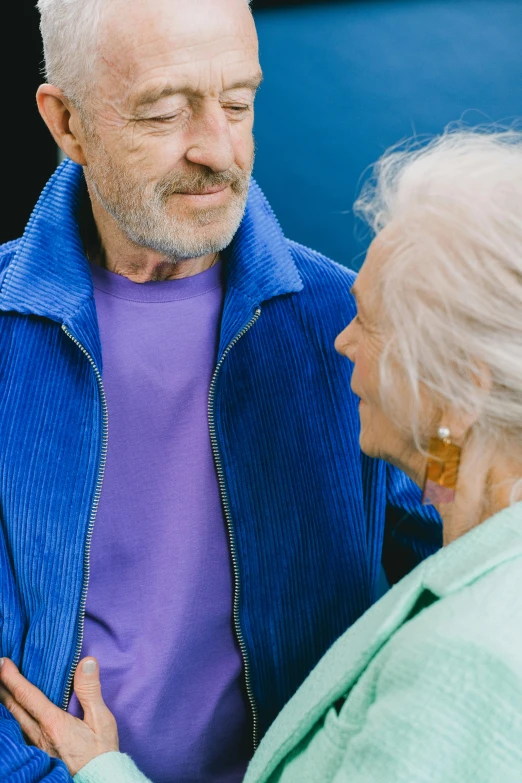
{"x": 145, "y": 266}
{"x": 107, "y": 246}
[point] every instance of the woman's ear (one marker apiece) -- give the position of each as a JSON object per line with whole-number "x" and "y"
{"x": 460, "y": 422}
{"x": 56, "y": 111}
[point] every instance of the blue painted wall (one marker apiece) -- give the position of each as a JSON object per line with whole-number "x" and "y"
{"x": 343, "y": 81}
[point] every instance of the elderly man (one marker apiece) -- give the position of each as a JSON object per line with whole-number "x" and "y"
{"x": 208, "y": 568}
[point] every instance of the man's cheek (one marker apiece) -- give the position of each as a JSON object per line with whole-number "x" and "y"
{"x": 244, "y": 148}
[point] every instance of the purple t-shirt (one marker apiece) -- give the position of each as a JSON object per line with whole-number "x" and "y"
{"x": 159, "y": 607}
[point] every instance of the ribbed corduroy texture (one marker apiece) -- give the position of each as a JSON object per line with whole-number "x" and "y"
{"x": 20, "y": 764}
{"x": 308, "y": 512}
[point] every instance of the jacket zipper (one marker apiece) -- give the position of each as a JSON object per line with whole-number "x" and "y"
{"x": 226, "y": 507}
{"x": 90, "y": 529}
{"x": 224, "y": 498}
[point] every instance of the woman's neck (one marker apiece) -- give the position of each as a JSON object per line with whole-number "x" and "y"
{"x": 485, "y": 487}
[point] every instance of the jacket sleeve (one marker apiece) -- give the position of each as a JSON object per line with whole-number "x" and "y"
{"x": 412, "y": 532}
{"x": 440, "y": 714}
{"x": 20, "y": 763}
{"x": 111, "y": 768}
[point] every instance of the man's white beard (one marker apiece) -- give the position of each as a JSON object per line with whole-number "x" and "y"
{"x": 143, "y": 215}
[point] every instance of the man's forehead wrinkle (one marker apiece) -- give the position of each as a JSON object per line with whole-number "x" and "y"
{"x": 167, "y": 53}
{"x": 142, "y": 27}
{"x": 198, "y": 77}
{"x": 115, "y": 68}
{"x": 156, "y": 93}
{"x": 118, "y": 71}
{"x": 141, "y": 56}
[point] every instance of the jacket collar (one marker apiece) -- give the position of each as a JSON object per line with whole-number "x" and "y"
{"x": 487, "y": 547}
{"x": 483, "y": 549}
{"x": 49, "y": 274}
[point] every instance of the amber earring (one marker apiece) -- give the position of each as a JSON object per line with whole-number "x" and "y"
{"x": 442, "y": 470}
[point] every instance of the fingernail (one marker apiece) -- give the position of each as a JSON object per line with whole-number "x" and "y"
{"x": 89, "y": 667}
{"x": 2, "y": 662}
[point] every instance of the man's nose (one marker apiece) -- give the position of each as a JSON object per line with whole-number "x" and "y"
{"x": 211, "y": 143}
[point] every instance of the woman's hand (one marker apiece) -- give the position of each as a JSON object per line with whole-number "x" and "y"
{"x": 51, "y": 729}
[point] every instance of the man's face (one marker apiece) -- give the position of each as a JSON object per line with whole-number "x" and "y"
{"x": 169, "y": 141}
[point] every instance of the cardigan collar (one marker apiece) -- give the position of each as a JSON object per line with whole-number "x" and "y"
{"x": 485, "y": 548}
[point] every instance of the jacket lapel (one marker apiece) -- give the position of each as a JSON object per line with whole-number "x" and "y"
{"x": 49, "y": 275}
{"x": 259, "y": 266}
{"x": 485, "y": 548}
{"x": 335, "y": 675}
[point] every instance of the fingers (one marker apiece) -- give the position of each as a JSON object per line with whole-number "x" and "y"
{"x": 30, "y": 728}
{"x": 88, "y": 691}
{"x": 27, "y": 696}
{"x": 54, "y": 731}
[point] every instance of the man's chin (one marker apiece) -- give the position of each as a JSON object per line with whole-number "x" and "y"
{"x": 197, "y": 240}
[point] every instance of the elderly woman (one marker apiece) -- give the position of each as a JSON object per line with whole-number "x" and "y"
{"x": 427, "y": 686}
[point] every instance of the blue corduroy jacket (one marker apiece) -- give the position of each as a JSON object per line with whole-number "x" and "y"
{"x": 309, "y": 517}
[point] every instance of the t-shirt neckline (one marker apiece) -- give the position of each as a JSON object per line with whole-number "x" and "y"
{"x": 157, "y": 291}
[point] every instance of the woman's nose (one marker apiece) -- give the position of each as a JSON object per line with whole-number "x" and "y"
{"x": 345, "y": 342}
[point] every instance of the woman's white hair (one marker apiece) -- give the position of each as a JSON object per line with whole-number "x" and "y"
{"x": 70, "y": 34}
{"x": 452, "y": 289}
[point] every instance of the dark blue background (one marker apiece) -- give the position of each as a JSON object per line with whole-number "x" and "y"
{"x": 343, "y": 81}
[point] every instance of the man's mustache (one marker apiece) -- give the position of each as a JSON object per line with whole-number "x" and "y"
{"x": 203, "y": 180}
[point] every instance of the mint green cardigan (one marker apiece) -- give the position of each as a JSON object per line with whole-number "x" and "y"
{"x": 425, "y": 687}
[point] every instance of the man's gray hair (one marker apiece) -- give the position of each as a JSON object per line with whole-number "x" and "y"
{"x": 452, "y": 288}
{"x": 69, "y": 31}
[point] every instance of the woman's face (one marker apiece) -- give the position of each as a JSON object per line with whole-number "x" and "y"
{"x": 363, "y": 342}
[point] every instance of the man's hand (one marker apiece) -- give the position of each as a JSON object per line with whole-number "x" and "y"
{"x": 51, "y": 729}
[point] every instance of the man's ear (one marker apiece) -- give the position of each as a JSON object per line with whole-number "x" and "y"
{"x": 57, "y": 112}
